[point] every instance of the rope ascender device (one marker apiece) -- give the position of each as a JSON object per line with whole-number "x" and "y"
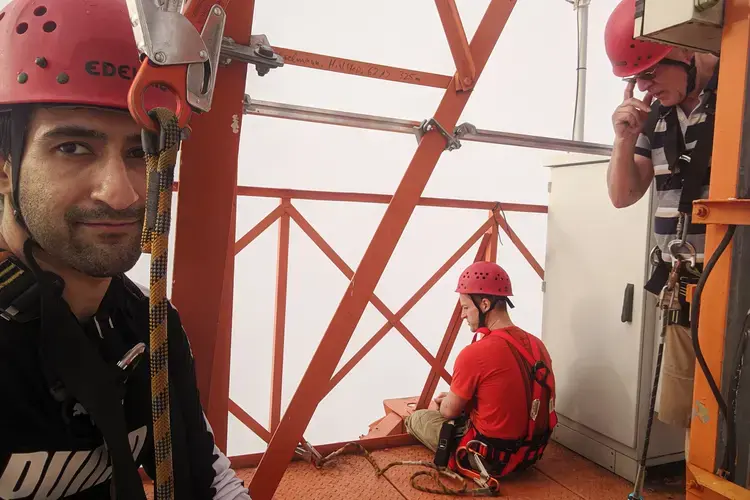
{"x": 188, "y": 71}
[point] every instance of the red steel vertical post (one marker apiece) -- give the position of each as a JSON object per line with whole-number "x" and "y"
{"x": 204, "y": 229}
{"x": 282, "y": 273}
{"x": 449, "y": 339}
{"x": 493, "y": 232}
{"x": 312, "y": 387}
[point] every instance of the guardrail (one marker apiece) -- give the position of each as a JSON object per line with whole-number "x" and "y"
{"x": 286, "y": 213}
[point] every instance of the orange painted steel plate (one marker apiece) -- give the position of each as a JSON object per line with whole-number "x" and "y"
{"x": 706, "y": 486}
{"x": 588, "y": 480}
{"x": 348, "y": 477}
{"x": 561, "y": 475}
{"x": 731, "y": 211}
{"x": 530, "y": 486}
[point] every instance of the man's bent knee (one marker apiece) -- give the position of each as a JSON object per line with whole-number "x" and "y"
{"x": 425, "y": 425}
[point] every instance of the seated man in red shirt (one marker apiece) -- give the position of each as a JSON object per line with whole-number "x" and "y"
{"x": 501, "y": 398}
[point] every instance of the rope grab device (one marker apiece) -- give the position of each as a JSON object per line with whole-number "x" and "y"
{"x": 178, "y": 58}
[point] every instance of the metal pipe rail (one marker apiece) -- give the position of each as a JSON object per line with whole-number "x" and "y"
{"x": 463, "y": 132}
{"x": 207, "y": 213}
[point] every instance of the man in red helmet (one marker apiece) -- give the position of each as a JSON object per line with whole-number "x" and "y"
{"x": 666, "y": 136}
{"x": 76, "y": 419}
{"x": 512, "y": 413}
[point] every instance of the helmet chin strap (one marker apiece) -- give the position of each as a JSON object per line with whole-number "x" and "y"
{"x": 692, "y": 77}
{"x": 19, "y": 121}
{"x": 483, "y": 315}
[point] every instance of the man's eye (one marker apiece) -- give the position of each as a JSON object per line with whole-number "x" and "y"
{"x": 136, "y": 153}
{"x": 73, "y": 148}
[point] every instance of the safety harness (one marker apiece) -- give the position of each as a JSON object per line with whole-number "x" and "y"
{"x": 690, "y": 171}
{"x": 71, "y": 364}
{"x": 75, "y": 371}
{"x": 487, "y": 459}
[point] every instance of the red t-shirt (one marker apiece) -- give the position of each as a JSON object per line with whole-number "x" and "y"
{"x": 487, "y": 373}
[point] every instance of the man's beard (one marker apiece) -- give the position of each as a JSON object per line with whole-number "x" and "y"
{"x": 93, "y": 256}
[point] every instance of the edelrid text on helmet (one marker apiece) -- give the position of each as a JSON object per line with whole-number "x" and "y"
{"x": 79, "y": 52}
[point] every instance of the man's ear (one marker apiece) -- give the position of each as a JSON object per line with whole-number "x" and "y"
{"x": 6, "y": 185}
{"x": 485, "y": 303}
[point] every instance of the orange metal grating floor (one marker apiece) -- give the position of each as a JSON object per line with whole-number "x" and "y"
{"x": 561, "y": 475}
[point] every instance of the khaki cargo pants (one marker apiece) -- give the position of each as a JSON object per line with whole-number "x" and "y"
{"x": 425, "y": 425}
{"x": 678, "y": 373}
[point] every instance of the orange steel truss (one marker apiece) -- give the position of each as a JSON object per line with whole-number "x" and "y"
{"x": 718, "y": 211}
{"x": 314, "y": 384}
{"x": 285, "y": 212}
{"x": 205, "y": 246}
{"x": 207, "y": 315}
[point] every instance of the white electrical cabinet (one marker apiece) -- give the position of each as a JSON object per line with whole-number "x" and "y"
{"x": 691, "y": 24}
{"x": 603, "y": 353}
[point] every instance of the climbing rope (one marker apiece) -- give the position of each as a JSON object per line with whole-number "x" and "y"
{"x": 161, "y": 158}
{"x": 443, "y": 489}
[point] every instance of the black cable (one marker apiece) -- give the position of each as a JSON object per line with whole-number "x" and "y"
{"x": 694, "y": 316}
{"x": 734, "y": 384}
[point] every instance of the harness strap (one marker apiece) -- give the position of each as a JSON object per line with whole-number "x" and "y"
{"x": 19, "y": 292}
{"x": 692, "y": 167}
{"x": 488, "y": 458}
{"x": 67, "y": 353}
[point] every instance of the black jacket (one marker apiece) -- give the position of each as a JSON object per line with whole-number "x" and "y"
{"x": 51, "y": 449}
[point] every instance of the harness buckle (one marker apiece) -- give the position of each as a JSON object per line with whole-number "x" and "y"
{"x": 540, "y": 367}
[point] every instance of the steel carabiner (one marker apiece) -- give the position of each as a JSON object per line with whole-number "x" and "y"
{"x": 654, "y": 256}
{"x": 675, "y": 245}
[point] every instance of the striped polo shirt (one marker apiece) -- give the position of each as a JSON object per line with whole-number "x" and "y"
{"x": 669, "y": 186}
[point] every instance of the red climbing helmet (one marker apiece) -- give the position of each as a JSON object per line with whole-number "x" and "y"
{"x": 70, "y": 52}
{"x": 485, "y": 278}
{"x": 628, "y": 55}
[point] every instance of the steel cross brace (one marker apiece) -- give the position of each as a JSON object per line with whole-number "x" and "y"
{"x": 312, "y": 387}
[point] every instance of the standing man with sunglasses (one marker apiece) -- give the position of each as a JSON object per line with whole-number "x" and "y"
{"x": 666, "y": 136}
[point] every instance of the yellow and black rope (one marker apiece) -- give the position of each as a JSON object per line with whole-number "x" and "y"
{"x": 161, "y": 159}
{"x": 442, "y": 489}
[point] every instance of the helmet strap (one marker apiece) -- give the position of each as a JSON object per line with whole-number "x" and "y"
{"x": 477, "y": 300}
{"x": 692, "y": 77}
{"x": 19, "y": 122}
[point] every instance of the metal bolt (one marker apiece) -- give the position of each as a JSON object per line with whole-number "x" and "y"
{"x": 41, "y": 62}
{"x": 63, "y": 78}
{"x": 203, "y": 54}
{"x": 262, "y": 70}
{"x": 265, "y": 51}
{"x": 160, "y": 57}
{"x": 701, "y": 211}
{"x": 217, "y": 11}
{"x": 23, "y": 78}
{"x": 467, "y": 81}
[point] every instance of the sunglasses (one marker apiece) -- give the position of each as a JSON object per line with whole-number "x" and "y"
{"x": 650, "y": 74}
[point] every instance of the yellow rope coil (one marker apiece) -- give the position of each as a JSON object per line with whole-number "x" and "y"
{"x": 442, "y": 489}
{"x": 160, "y": 165}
